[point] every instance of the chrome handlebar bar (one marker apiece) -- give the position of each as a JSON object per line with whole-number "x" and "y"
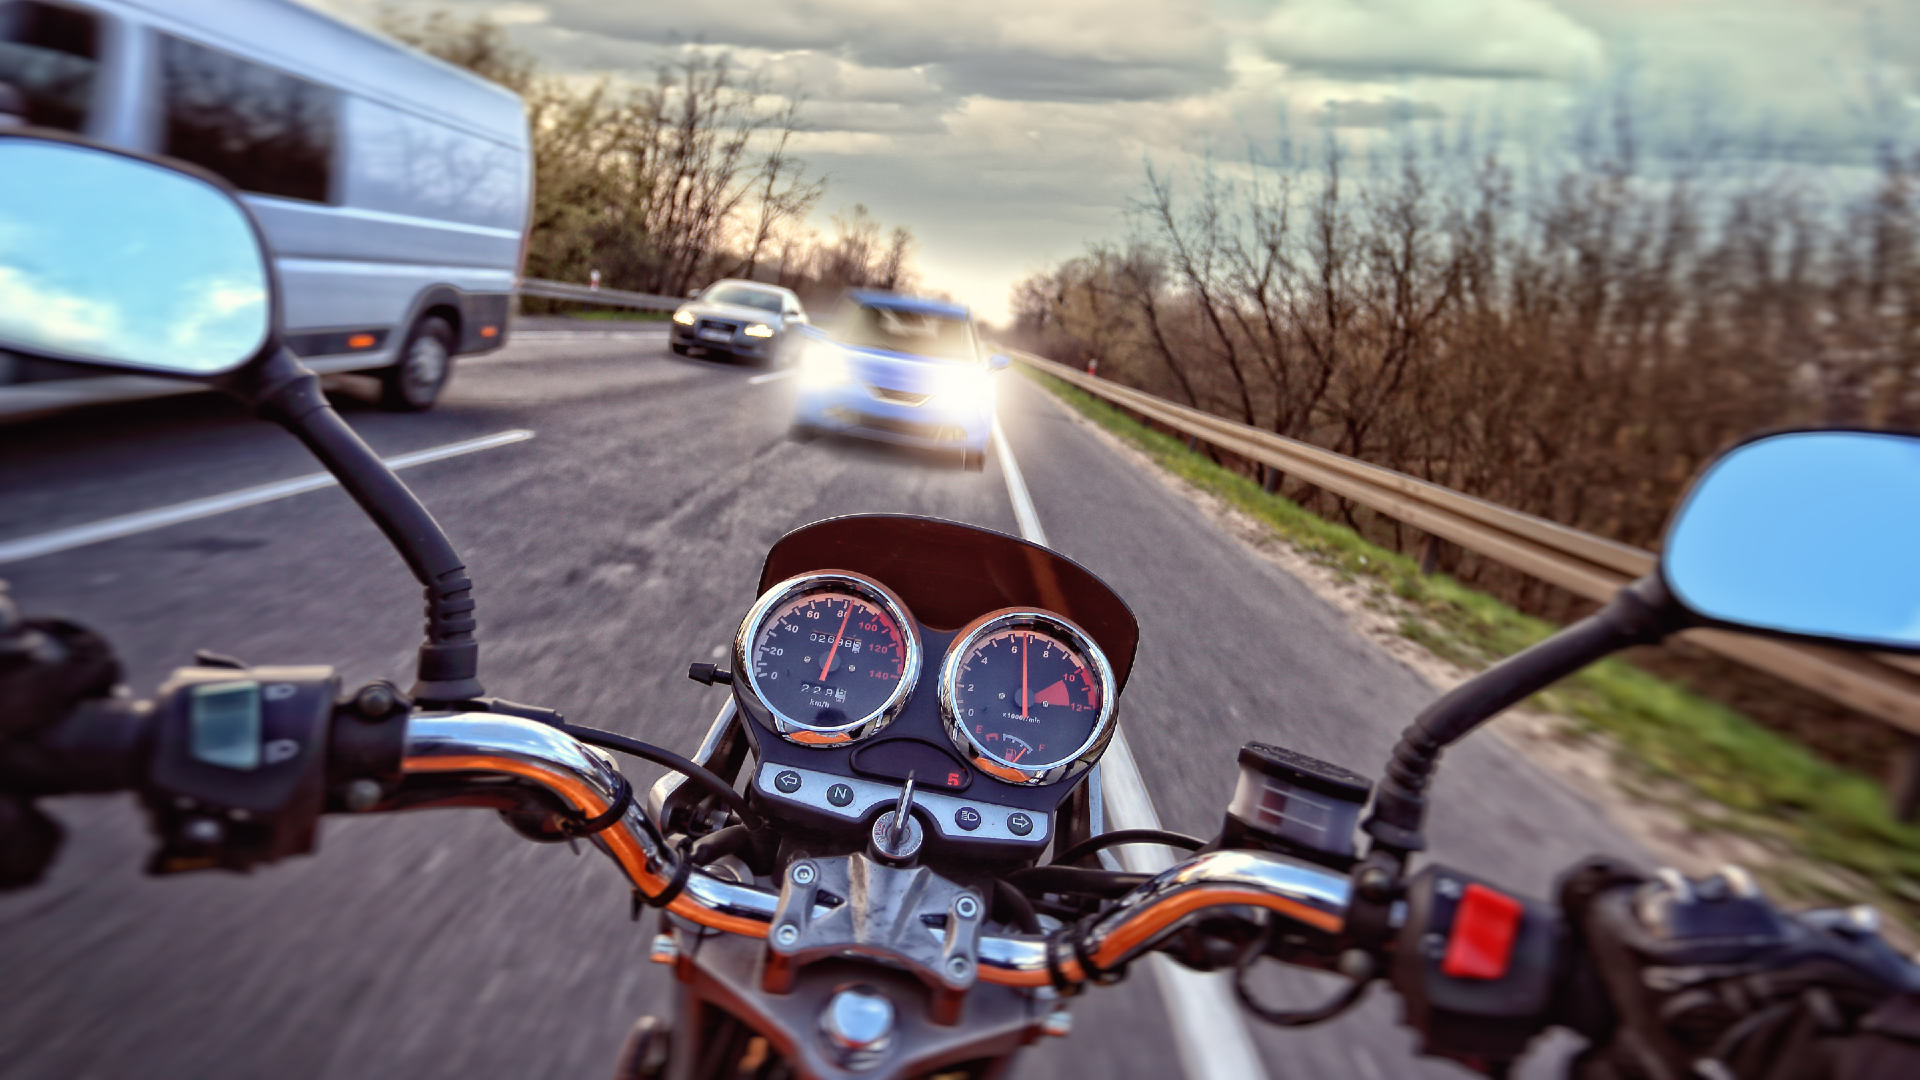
{"x": 585, "y": 778}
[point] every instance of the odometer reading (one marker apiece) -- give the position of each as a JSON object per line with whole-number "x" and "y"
{"x": 828, "y": 659}
{"x": 1026, "y": 697}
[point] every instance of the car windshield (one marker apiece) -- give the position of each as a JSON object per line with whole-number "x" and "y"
{"x": 745, "y": 297}
{"x": 921, "y": 333}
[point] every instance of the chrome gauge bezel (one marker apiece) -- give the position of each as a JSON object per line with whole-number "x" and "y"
{"x": 986, "y": 761}
{"x": 753, "y": 699}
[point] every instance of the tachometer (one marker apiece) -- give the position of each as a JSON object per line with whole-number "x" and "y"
{"x": 1027, "y": 696}
{"x": 829, "y": 658}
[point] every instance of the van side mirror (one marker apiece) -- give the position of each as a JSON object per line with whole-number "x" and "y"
{"x": 1808, "y": 534}
{"x": 693, "y": 294}
{"x": 111, "y": 260}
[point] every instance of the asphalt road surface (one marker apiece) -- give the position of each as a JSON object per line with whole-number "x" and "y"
{"x": 617, "y": 545}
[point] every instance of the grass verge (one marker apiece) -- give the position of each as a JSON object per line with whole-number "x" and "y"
{"x": 1829, "y": 827}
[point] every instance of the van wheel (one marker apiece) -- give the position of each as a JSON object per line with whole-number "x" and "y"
{"x": 414, "y": 383}
{"x": 679, "y": 348}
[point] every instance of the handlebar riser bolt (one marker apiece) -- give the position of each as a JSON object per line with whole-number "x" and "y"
{"x": 361, "y": 795}
{"x": 238, "y": 815}
{"x": 1448, "y": 888}
{"x": 1374, "y": 883}
{"x": 665, "y": 949}
{"x": 1434, "y": 946}
{"x": 958, "y": 967}
{"x": 374, "y": 701}
{"x": 1355, "y": 964}
{"x": 802, "y": 874}
{"x": 966, "y": 907}
{"x": 203, "y": 831}
{"x": 787, "y": 935}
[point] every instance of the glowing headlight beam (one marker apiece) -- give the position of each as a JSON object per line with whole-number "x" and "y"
{"x": 683, "y": 317}
{"x": 759, "y": 330}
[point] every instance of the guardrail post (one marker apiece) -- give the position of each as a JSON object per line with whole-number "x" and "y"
{"x": 1904, "y": 792}
{"x": 1429, "y": 554}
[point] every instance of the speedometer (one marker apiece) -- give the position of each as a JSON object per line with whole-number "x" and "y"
{"x": 829, "y": 658}
{"x": 1027, "y": 696}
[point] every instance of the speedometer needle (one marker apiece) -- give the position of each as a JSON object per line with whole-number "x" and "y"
{"x": 828, "y": 666}
{"x": 1024, "y": 642}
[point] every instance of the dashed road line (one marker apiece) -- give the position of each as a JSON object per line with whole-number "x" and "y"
{"x": 47, "y": 543}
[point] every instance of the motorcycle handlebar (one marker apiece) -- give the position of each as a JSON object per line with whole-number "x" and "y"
{"x": 587, "y": 781}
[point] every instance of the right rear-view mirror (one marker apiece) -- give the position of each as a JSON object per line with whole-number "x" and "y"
{"x": 1810, "y": 534}
{"x": 116, "y": 261}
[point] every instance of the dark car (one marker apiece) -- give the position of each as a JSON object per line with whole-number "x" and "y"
{"x": 737, "y": 318}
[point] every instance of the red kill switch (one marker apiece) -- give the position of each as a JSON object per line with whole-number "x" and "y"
{"x": 1484, "y": 927}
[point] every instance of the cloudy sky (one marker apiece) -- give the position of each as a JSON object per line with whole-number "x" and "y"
{"x": 1008, "y": 133}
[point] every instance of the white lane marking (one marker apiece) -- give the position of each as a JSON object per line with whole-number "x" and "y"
{"x": 1023, "y": 511}
{"x": 30, "y": 547}
{"x": 772, "y": 375}
{"x": 1212, "y": 1036}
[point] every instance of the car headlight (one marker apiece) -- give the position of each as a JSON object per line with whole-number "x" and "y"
{"x": 969, "y": 385}
{"x": 822, "y": 364}
{"x": 684, "y": 317}
{"x": 759, "y": 329}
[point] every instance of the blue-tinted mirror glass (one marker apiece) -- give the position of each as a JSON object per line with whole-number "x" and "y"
{"x": 111, "y": 259}
{"x": 1814, "y": 533}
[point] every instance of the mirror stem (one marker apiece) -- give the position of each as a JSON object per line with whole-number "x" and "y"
{"x": 285, "y": 391}
{"x": 1640, "y": 614}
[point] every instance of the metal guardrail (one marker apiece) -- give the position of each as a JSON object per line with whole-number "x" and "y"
{"x": 1884, "y": 686}
{"x": 560, "y": 290}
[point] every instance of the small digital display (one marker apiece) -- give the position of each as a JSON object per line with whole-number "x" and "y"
{"x": 224, "y": 725}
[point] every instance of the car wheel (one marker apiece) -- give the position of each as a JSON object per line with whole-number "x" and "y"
{"x": 681, "y": 349}
{"x": 414, "y": 382}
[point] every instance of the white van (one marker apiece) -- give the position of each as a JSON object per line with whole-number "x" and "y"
{"x": 394, "y": 189}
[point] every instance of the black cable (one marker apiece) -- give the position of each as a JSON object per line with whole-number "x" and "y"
{"x": 1127, "y": 836}
{"x": 581, "y": 825}
{"x": 1108, "y": 884}
{"x": 1327, "y": 1010}
{"x": 731, "y": 840}
{"x": 1009, "y": 895}
{"x": 648, "y": 752}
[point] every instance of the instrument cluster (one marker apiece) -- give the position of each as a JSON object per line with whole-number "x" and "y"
{"x": 1011, "y": 707}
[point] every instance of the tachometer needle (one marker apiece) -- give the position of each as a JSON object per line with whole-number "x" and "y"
{"x": 1024, "y": 642}
{"x": 828, "y": 666}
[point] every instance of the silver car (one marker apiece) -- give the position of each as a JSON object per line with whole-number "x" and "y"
{"x": 746, "y": 319}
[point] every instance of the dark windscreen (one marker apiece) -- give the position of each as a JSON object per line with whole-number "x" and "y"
{"x": 913, "y": 332}
{"x": 48, "y": 55}
{"x": 744, "y": 296}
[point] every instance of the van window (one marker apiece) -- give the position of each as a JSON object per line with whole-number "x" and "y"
{"x": 265, "y": 131}
{"x": 48, "y": 55}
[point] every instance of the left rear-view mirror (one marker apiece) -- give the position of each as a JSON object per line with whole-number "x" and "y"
{"x": 998, "y": 361}
{"x": 116, "y": 261}
{"x": 1810, "y": 534}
